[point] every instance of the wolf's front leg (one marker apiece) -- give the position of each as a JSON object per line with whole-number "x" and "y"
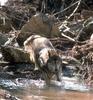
{"x": 59, "y": 74}
{"x": 46, "y": 78}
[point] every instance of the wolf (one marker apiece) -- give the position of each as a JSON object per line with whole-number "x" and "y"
{"x": 45, "y": 57}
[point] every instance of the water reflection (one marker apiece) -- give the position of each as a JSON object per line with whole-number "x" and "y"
{"x": 54, "y": 94}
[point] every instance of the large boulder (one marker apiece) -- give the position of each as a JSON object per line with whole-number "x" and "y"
{"x": 40, "y": 24}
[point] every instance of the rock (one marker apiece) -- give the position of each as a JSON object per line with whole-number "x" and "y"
{"x": 3, "y": 39}
{"x": 86, "y": 31}
{"x": 15, "y": 55}
{"x": 39, "y": 24}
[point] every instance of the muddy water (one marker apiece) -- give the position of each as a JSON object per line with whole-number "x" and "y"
{"x": 26, "y": 89}
{"x": 56, "y": 95}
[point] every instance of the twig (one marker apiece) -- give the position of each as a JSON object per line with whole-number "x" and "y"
{"x": 68, "y": 29}
{"x": 71, "y": 14}
{"x": 4, "y": 63}
{"x": 10, "y": 40}
{"x": 66, "y": 8}
{"x": 74, "y": 10}
{"x": 68, "y": 37}
{"x": 86, "y": 5}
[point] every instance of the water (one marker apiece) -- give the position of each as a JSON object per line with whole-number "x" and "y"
{"x": 27, "y": 89}
{"x": 2, "y": 2}
{"x": 52, "y": 94}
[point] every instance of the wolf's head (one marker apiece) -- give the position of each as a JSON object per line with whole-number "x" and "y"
{"x": 51, "y": 62}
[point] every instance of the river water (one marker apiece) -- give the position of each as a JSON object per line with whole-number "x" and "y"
{"x": 28, "y": 89}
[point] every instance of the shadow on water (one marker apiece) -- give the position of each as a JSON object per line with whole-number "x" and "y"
{"x": 27, "y": 89}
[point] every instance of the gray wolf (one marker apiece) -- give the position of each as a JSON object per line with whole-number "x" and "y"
{"x": 45, "y": 57}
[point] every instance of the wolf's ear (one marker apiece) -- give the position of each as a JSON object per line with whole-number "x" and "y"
{"x": 52, "y": 52}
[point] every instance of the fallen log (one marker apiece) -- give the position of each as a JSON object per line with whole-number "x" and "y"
{"x": 15, "y": 55}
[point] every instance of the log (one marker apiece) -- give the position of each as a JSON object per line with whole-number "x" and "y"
{"x": 15, "y": 55}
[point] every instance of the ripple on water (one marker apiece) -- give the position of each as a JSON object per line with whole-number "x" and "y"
{"x": 40, "y": 84}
